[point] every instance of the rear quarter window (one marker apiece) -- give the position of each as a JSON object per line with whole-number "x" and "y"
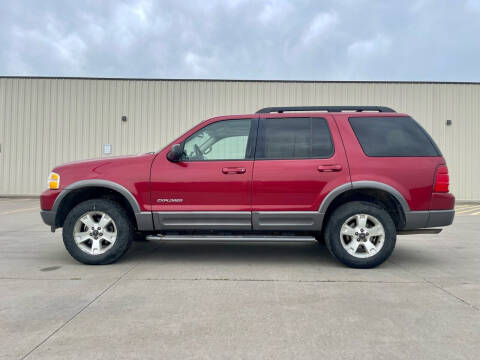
{"x": 392, "y": 136}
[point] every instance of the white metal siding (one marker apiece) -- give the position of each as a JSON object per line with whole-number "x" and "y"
{"x": 45, "y": 122}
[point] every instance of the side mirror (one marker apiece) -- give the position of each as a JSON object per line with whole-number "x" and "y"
{"x": 175, "y": 153}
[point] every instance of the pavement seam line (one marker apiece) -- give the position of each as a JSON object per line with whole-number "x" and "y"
{"x": 226, "y": 279}
{"x": 17, "y": 211}
{"x": 440, "y": 288}
{"x": 21, "y": 230}
{"x": 277, "y": 280}
{"x": 452, "y": 294}
{"x": 78, "y": 312}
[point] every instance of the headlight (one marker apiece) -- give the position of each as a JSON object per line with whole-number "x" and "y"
{"x": 54, "y": 181}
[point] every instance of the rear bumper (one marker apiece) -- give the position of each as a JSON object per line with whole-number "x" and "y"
{"x": 48, "y": 218}
{"x": 428, "y": 219}
{"x": 440, "y": 217}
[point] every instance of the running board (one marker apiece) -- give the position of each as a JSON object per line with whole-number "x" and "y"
{"x": 232, "y": 238}
{"x": 419, "y": 231}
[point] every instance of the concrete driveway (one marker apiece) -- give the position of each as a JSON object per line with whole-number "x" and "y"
{"x": 237, "y": 301}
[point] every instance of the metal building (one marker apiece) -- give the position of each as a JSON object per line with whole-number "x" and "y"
{"x": 49, "y": 121}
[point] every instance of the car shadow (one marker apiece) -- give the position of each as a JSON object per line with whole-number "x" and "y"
{"x": 306, "y": 253}
{"x": 252, "y": 252}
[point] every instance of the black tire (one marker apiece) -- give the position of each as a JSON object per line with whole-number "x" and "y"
{"x": 124, "y": 227}
{"x": 139, "y": 236}
{"x": 342, "y": 214}
{"x": 320, "y": 238}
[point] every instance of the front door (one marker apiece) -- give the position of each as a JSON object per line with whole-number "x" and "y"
{"x": 299, "y": 160}
{"x": 210, "y": 188}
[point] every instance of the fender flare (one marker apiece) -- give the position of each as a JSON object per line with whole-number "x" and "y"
{"x": 98, "y": 183}
{"x": 367, "y": 184}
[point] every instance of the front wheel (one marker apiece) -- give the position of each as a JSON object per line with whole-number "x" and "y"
{"x": 360, "y": 234}
{"x": 97, "y": 232}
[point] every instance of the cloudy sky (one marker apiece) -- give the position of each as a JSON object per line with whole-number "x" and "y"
{"x": 433, "y": 40}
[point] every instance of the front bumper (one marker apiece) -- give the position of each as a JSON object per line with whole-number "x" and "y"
{"x": 47, "y": 201}
{"x": 49, "y": 218}
{"x": 48, "y": 197}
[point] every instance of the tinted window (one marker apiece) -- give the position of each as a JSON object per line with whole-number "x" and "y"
{"x": 295, "y": 138}
{"x": 392, "y": 136}
{"x": 222, "y": 140}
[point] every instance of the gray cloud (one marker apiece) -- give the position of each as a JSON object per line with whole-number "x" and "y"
{"x": 243, "y": 39}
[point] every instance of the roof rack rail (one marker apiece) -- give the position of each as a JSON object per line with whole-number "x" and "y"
{"x": 282, "y": 109}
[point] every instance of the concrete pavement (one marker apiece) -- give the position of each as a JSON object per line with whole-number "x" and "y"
{"x": 206, "y": 300}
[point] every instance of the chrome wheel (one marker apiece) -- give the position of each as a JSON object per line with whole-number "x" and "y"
{"x": 95, "y": 232}
{"x": 362, "y": 235}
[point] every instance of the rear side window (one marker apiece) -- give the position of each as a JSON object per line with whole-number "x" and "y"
{"x": 392, "y": 136}
{"x": 294, "y": 138}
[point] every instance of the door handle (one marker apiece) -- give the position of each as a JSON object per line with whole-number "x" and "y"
{"x": 233, "y": 170}
{"x": 329, "y": 168}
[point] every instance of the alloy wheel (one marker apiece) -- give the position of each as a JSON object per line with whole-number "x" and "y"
{"x": 95, "y": 232}
{"x": 362, "y": 235}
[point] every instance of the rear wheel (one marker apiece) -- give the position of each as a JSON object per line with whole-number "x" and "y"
{"x": 97, "y": 232}
{"x": 360, "y": 234}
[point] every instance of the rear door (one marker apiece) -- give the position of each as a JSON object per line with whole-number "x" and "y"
{"x": 298, "y": 161}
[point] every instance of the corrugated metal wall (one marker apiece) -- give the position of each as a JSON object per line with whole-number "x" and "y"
{"x": 44, "y": 122}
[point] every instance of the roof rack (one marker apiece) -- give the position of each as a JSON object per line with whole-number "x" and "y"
{"x": 282, "y": 109}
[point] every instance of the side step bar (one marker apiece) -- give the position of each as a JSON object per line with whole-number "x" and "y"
{"x": 262, "y": 238}
{"x": 231, "y": 238}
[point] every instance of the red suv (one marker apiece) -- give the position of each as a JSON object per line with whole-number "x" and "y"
{"x": 355, "y": 176}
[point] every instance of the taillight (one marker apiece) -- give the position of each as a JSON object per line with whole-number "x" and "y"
{"x": 442, "y": 180}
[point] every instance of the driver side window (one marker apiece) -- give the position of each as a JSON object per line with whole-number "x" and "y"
{"x": 221, "y": 140}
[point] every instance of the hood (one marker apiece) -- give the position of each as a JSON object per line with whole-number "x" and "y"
{"x": 117, "y": 169}
{"x": 100, "y": 160}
